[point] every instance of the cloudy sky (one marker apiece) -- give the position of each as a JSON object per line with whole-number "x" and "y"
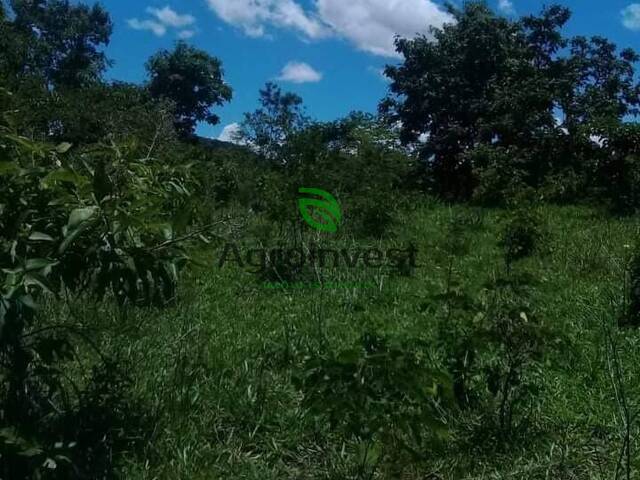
{"x": 331, "y": 52}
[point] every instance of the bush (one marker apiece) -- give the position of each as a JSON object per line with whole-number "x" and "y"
{"x": 619, "y": 171}
{"x": 521, "y": 234}
{"x": 497, "y": 174}
{"x": 563, "y": 187}
{"x": 362, "y": 171}
{"x": 514, "y": 349}
{"x": 382, "y": 392}
{"x": 631, "y": 315}
{"x": 106, "y": 224}
{"x": 493, "y": 345}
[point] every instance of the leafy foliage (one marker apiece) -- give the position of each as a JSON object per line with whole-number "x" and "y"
{"x": 466, "y": 103}
{"x": 380, "y": 391}
{"x": 517, "y": 344}
{"x": 619, "y": 169}
{"x": 631, "y": 315}
{"x": 521, "y": 235}
{"x": 64, "y": 40}
{"x": 450, "y": 90}
{"x": 192, "y": 80}
{"x": 101, "y": 223}
{"x": 120, "y": 113}
{"x": 270, "y": 128}
{"x": 604, "y": 87}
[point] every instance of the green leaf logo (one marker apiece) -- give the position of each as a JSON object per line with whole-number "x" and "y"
{"x": 320, "y": 213}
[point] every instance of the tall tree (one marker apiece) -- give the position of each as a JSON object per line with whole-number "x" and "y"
{"x": 603, "y": 86}
{"x": 476, "y": 82}
{"x": 193, "y": 80}
{"x": 5, "y": 41}
{"x": 64, "y": 40}
{"x": 281, "y": 116}
{"x": 488, "y": 81}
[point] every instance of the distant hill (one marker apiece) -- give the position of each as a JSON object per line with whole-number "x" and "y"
{"x": 215, "y": 144}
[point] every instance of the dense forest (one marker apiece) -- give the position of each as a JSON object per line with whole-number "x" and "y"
{"x": 464, "y": 302}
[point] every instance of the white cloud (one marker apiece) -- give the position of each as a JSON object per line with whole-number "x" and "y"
{"x": 507, "y": 7}
{"x": 253, "y": 16}
{"x": 631, "y": 17}
{"x": 298, "y": 72}
{"x": 371, "y": 25}
{"x": 157, "y": 28}
{"x": 163, "y": 19}
{"x": 231, "y": 134}
{"x": 186, "y": 34}
{"x": 170, "y": 18}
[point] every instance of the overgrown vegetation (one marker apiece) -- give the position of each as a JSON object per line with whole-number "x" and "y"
{"x": 507, "y": 350}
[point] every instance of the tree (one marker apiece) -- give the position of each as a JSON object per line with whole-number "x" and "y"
{"x": 476, "y": 84}
{"x": 603, "y": 87}
{"x": 270, "y": 127}
{"x": 64, "y": 40}
{"x": 193, "y": 80}
{"x": 119, "y": 112}
{"x": 5, "y": 41}
{"x": 486, "y": 82}
{"x": 13, "y": 46}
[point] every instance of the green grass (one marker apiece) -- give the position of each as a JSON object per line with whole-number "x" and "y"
{"x": 215, "y": 371}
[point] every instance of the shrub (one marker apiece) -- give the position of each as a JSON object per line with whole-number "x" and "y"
{"x": 631, "y": 315}
{"x": 619, "y": 171}
{"x": 563, "y": 187}
{"x": 493, "y": 347}
{"x": 381, "y": 392}
{"x": 106, "y": 224}
{"x": 497, "y": 174}
{"x": 513, "y": 352}
{"x": 521, "y": 234}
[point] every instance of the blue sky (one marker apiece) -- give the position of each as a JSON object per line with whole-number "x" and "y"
{"x": 330, "y": 52}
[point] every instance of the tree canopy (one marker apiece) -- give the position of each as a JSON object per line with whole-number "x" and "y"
{"x": 280, "y": 116}
{"x": 486, "y": 80}
{"x": 64, "y": 40}
{"x": 193, "y": 80}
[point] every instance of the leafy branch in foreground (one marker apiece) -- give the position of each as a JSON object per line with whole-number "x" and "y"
{"x": 100, "y": 223}
{"x": 382, "y": 393}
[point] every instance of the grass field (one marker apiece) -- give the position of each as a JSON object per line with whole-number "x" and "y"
{"x": 215, "y": 374}
{"x": 428, "y": 268}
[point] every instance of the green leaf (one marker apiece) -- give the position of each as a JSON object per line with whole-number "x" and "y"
{"x": 167, "y": 231}
{"x": 8, "y": 168}
{"x": 79, "y": 221}
{"x": 64, "y": 175}
{"x": 28, "y": 302}
{"x": 31, "y": 452}
{"x": 28, "y": 145}
{"x": 34, "y": 264}
{"x": 80, "y": 216}
{"x": 40, "y": 237}
{"x": 34, "y": 279}
{"x": 64, "y": 147}
{"x": 369, "y": 453}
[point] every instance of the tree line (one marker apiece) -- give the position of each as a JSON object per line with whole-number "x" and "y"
{"x": 487, "y": 104}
